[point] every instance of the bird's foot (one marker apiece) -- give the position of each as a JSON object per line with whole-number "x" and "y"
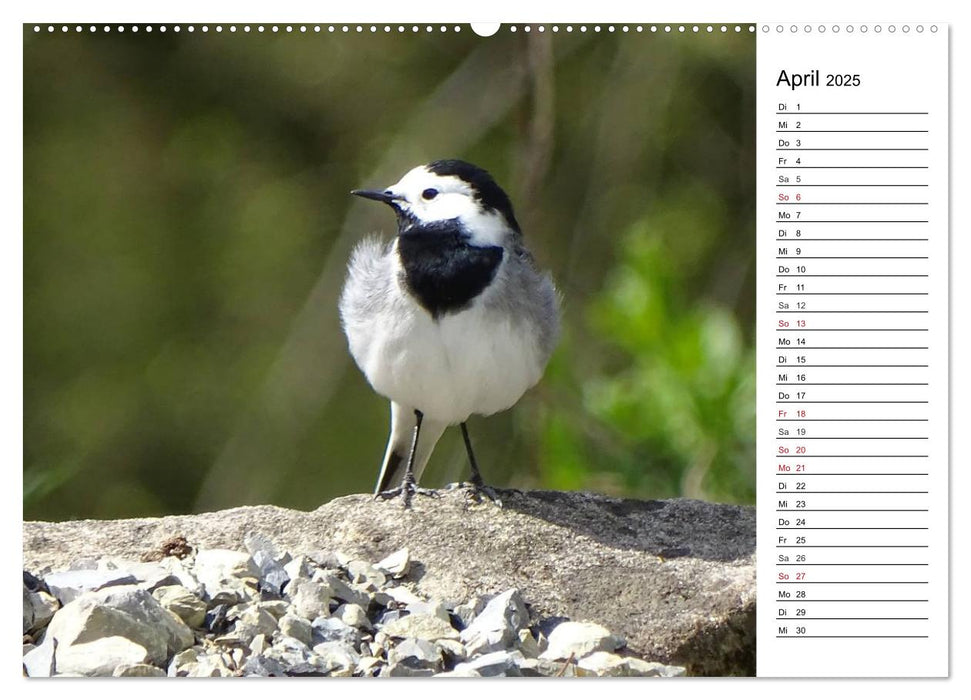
{"x": 406, "y": 491}
{"x": 478, "y": 489}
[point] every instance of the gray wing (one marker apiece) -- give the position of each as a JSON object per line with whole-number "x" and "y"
{"x": 529, "y": 296}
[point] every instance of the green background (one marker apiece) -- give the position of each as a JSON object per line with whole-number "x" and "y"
{"x": 187, "y": 224}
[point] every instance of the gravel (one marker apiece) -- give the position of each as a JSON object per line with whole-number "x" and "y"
{"x": 269, "y": 612}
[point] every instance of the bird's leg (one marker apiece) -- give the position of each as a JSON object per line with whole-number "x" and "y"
{"x": 478, "y": 485}
{"x": 408, "y": 487}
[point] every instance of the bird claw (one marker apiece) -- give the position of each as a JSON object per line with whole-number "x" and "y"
{"x": 478, "y": 490}
{"x": 407, "y": 490}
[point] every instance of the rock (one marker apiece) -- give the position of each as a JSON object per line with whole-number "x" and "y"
{"x": 528, "y": 644}
{"x": 545, "y": 667}
{"x": 396, "y": 564}
{"x": 400, "y": 595}
{"x": 183, "y": 603}
{"x": 427, "y": 627}
{"x": 273, "y": 577}
{"x": 680, "y": 589}
{"x": 341, "y": 590}
{"x": 466, "y": 612}
{"x": 218, "y": 619}
{"x": 228, "y": 577}
{"x": 311, "y": 599}
{"x": 99, "y": 657}
{"x": 299, "y": 567}
{"x": 639, "y": 667}
{"x": 432, "y": 609}
{"x": 138, "y": 671}
{"x": 390, "y": 616}
{"x": 206, "y": 666}
{"x": 368, "y": 666}
{"x": 362, "y": 572}
{"x": 183, "y": 576}
{"x": 604, "y": 663}
{"x": 354, "y": 616}
{"x": 415, "y": 655}
{"x": 295, "y": 657}
{"x": 181, "y": 660}
{"x": 466, "y": 673}
{"x": 259, "y": 644}
{"x": 150, "y": 575}
{"x": 39, "y": 661}
{"x": 455, "y": 651}
{"x": 337, "y": 658}
{"x": 297, "y": 627}
{"x": 495, "y": 628}
{"x": 577, "y": 639}
{"x": 497, "y": 663}
{"x": 259, "y": 665}
{"x": 123, "y": 611}
{"x": 39, "y": 608}
{"x": 330, "y": 629}
{"x": 277, "y": 608}
{"x": 68, "y": 585}
{"x": 251, "y": 622}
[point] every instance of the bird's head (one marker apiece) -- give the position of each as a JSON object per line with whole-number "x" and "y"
{"x": 450, "y": 191}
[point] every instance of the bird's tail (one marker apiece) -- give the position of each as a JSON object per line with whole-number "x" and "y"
{"x": 399, "y": 446}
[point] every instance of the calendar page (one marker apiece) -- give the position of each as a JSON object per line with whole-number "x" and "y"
{"x": 853, "y": 349}
{"x": 435, "y": 349}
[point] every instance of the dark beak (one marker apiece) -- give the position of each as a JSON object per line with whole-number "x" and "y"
{"x": 387, "y": 197}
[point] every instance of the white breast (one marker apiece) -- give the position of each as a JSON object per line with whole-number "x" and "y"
{"x": 475, "y": 361}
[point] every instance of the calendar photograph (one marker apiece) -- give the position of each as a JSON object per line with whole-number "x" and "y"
{"x": 389, "y": 350}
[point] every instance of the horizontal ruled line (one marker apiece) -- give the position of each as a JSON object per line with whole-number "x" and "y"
{"x": 851, "y": 294}
{"x": 849, "y": 420}
{"x": 870, "y": 492}
{"x": 852, "y": 528}
{"x": 850, "y": 510}
{"x": 852, "y": 221}
{"x": 851, "y": 564}
{"x": 857, "y": 113}
{"x": 850, "y": 131}
{"x": 849, "y": 204}
{"x": 852, "y": 149}
{"x": 851, "y": 330}
{"x": 851, "y": 636}
{"x": 855, "y": 546}
{"x": 850, "y": 383}
{"x": 802, "y": 240}
{"x": 851, "y": 167}
{"x": 851, "y": 401}
{"x": 841, "y": 583}
{"x": 851, "y": 437}
{"x": 851, "y": 275}
{"x": 850, "y": 347}
{"x": 850, "y": 257}
{"x": 800, "y": 185}
{"x": 849, "y": 618}
{"x": 802, "y": 474}
{"x": 799, "y": 366}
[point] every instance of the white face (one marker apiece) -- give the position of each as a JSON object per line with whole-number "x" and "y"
{"x": 429, "y": 197}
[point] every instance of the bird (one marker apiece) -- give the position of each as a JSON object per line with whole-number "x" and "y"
{"x": 451, "y": 318}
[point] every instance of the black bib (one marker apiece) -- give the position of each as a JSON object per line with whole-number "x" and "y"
{"x": 441, "y": 270}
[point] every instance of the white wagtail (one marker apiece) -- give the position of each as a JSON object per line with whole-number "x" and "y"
{"x": 450, "y": 318}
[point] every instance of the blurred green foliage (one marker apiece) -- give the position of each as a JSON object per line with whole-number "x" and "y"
{"x": 187, "y": 225}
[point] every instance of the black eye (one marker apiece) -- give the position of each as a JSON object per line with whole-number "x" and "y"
{"x": 430, "y": 193}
